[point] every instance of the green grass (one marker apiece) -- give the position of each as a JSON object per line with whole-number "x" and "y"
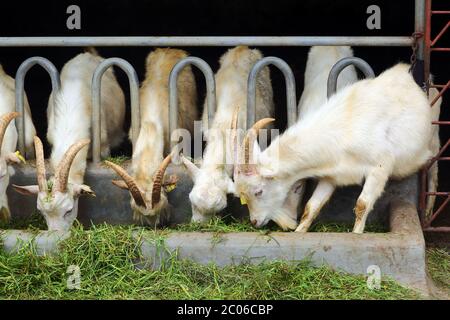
{"x": 106, "y": 257}
{"x": 34, "y": 222}
{"x": 229, "y": 224}
{"x": 439, "y": 267}
{"x": 118, "y": 159}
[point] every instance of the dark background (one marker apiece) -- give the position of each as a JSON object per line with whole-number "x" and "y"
{"x": 209, "y": 18}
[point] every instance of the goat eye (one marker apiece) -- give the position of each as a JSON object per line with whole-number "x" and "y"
{"x": 67, "y": 213}
{"x": 258, "y": 193}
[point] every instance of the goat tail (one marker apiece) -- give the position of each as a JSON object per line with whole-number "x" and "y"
{"x": 91, "y": 50}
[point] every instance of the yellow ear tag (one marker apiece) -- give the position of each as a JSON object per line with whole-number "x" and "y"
{"x": 20, "y": 157}
{"x": 243, "y": 200}
{"x": 170, "y": 187}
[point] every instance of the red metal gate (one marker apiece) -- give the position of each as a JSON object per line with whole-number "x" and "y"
{"x": 432, "y": 45}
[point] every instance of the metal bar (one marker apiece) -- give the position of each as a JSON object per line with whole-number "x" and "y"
{"x": 341, "y": 65}
{"x": 221, "y": 41}
{"x": 438, "y": 211}
{"x": 437, "y": 229}
{"x": 427, "y": 40}
{"x": 440, "y": 49}
{"x": 173, "y": 92}
{"x": 96, "y": 103}
{"x": 441, "y": 92}
{"x": 20, "y": 91}
{"x": 419, "y": 26}
{"x": 440, "y": 12}
{"x": 440, "y": 34}
{"x": 291, "y": 99}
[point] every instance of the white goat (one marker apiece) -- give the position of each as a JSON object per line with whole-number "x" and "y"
{"x": 145, "y": 184}
{"x": 369, "y": 131}
{"x": 69, "y": 129}
{"x": 212, "y": 181}
{"x": 318, "y": 66}
{"x": 8, "y": 136}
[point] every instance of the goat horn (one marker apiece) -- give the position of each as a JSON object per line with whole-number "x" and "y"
{"x": 62, "y": 172}
{"x": 157, "y": 181}
{"x": 250, "y": 138}
{"x": 40, "y": 165}
{"x": 4, "y": 122}
{"x": 233, "y": 137}
{"x": 132, "y": 186}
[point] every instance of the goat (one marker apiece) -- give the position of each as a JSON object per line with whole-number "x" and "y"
{"x": 318, "y": 66}
{"x": 8, "y": 137}
{"x": 148, "y": 197}
{"x": 369, "y": 131}
{"x": 212, "y": 181}
{"x": 69, "y": 126}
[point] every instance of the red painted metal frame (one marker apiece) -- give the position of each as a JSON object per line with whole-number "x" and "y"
{"x": 430, "y": 46}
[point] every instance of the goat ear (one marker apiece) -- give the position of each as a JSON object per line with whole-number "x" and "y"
{"x": 26, "y": 190}
{"x": 120, "y": 183}
{"x": 82, "y": 189}
{"x": 191, "y": 167}
{"x": 15, "y": 157}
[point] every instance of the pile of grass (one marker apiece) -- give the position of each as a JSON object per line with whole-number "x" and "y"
{"x": 107, "y": 255}
{"x": 119, "y": 160}
{"x": 33, "y": 222}
{"x": 229, "y": 224}
{"x": 439, "y": 267}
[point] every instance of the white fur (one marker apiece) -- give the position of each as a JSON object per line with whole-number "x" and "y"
{"x": 368, "y": 132}
{"x": 69, "y": 121}
{"x": 212, "y": 181}
{"x": 152, "y": 141}
{"x": 8, "y": 147}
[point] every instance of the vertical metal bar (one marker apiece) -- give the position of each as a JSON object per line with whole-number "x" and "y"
{"x": 173, "y": 91}
{"x": 419, "y": 26}
{"x": 426, "y": 39}
{"x": 96, "y": 103}
{"x": 341, "y": 65}
{"x": 289, "y": 78}
{"x": 20, "y": 91}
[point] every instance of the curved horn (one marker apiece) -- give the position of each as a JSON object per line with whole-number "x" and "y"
{"x": 233, "y": 136}
{"x": 250, "y": 138}
{"x": 132, "y": 186}
{"x": 62, "y": 172}
{"x": 4, "y": 122}
{"x": 157, "y": 181}
{"x": 40, "y": 165}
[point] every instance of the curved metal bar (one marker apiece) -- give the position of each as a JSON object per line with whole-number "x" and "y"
{"x": 20, "y": 91}
{"x": 341, "y": 65}
{"x": 96, "y": 97}
{"x": 289, "y": 78}
{"x": 173, "y": 92}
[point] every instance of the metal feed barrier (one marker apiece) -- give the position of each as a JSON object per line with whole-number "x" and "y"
{"x": 420, "y": 41}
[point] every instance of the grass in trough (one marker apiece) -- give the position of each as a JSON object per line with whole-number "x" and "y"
{"x": 33, "y": 222}
{"x": 119, "y": 160}
{"x": 439, "y": 267}
{"x": 229, "y": 224}
{"x": 106, "y": 256}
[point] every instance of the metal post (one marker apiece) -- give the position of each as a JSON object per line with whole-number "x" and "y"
{"x": 173, "y": 92}
{"x": 289, "y": 79}
{"x": 20, "y": 91}
{"x": 207, "y": 41}
{"x": 341, "y": 65}
{"x": 96, "y": 103}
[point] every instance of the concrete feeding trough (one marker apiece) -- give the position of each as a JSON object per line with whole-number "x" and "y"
{"x": 399, "y": 253}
